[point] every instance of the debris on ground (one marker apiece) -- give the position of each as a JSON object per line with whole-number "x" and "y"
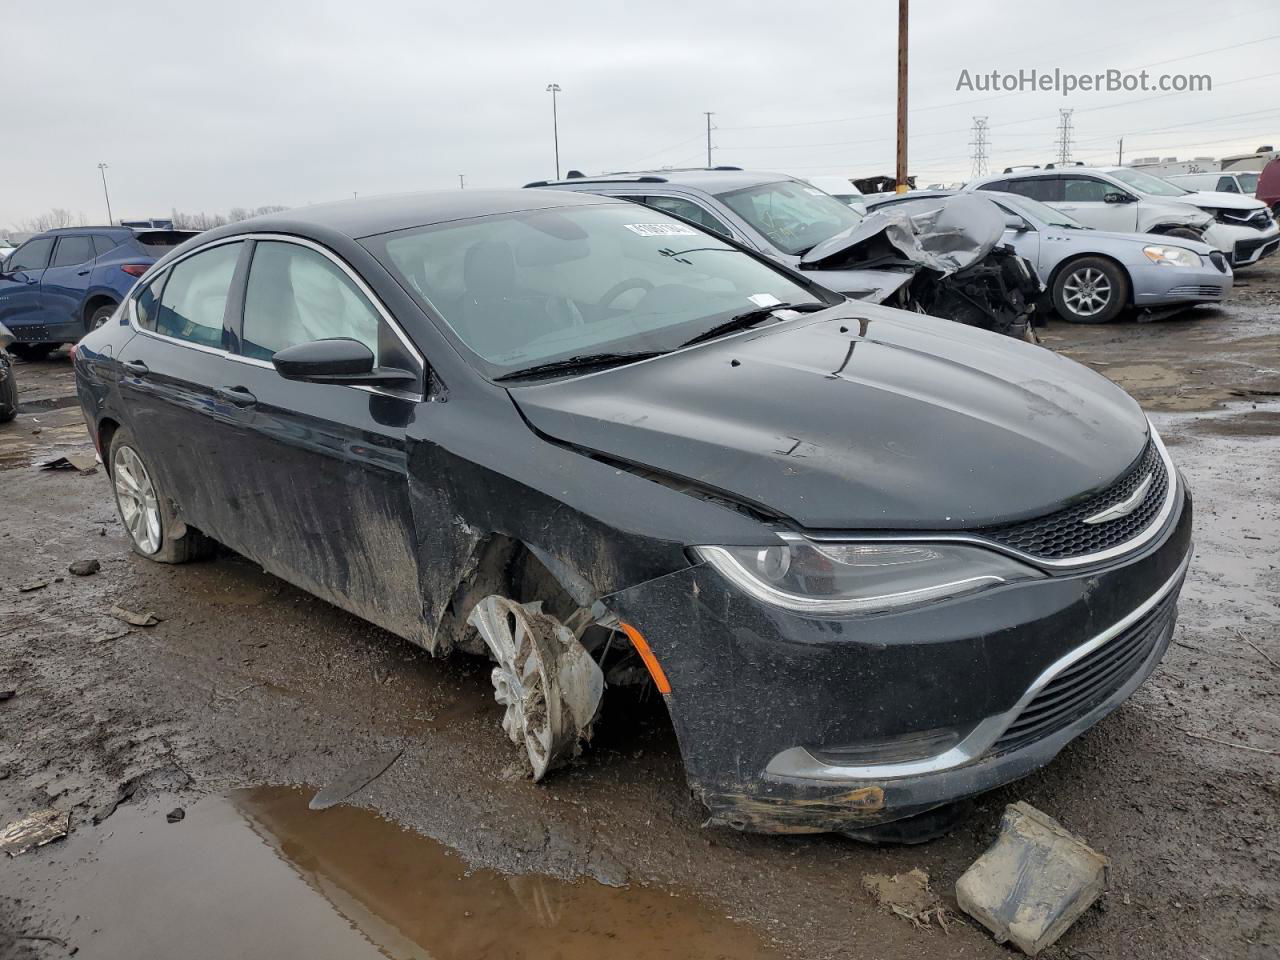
{"x": 908, "y": 895}
{"x": 7, "y": 695}
{"x": 116, "y": 635}
{"x": 176, "y": 814}
{"x": 84, "y": 568}
{"x": 72, "y": 461}
{"x": 1033, "y": 882}
{"x": 33, "y": 585}
{"x": 34, "y": 830}
{"x": 124, "y": 793}
{"x": 354, "y": 779}
{"x": 147, "y": 619}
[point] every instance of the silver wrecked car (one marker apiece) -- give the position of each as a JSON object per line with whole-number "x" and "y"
{"x": 1093, "y": 275}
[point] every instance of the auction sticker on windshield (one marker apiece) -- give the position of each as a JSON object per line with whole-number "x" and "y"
{"x": 661, "y": 230}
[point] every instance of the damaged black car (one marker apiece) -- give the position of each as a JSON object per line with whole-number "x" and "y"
{"x": 875, "y": 562}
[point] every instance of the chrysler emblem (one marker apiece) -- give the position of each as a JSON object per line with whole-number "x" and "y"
{"x": 1125, "y": 506}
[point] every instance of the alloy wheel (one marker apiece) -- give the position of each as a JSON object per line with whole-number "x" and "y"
{"x": 136, "y": 495}
{"x": 1087, "y": 292}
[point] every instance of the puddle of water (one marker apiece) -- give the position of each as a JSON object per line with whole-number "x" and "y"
{"x": 259, "y": 874}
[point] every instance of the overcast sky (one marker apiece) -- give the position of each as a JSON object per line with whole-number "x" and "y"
{"x": 204, "y": 105}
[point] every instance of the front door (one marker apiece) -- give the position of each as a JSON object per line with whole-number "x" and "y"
{"x": 20, "y": 289}
{"x": 1085, "y": 199}
{"x": 318, "y": 486}
{"x": 63, "y": 286}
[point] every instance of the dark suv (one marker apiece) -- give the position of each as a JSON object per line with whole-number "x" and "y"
{"x": 62, "y": 283}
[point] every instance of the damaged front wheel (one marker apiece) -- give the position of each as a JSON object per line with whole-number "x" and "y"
{"x": 546, "y": 680}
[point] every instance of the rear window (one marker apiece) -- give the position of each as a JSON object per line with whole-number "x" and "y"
{"x": 159, "y": 242}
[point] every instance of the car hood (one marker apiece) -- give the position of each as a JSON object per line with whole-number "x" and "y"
{"x": 860, "y": 417}
{"x": 945, "y": 234}
{"x": 873, "y": 286}
{"x": 1221, "y": 201}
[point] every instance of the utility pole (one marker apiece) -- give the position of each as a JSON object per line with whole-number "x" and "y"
{"x": 708, "y": 113}
{"x": 102, "y": 169}
{"x": 902, "y": 98}
{"x": 553, "y": 89}
{"x": 979, "y": 144}
{"x": 1064, "y": 136}
{"x": 462, "y": 182}
{"x": 1120, "y": 154}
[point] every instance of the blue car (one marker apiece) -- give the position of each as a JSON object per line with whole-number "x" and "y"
{"x": 63, "y": 283}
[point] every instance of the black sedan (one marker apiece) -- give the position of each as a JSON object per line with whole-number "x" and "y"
{"x": 874, "y": 561}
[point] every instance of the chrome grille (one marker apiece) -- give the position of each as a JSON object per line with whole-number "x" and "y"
{"x": 1089, "y": 681}
{"x": 1065, "y": 535}
{"x": 1196, "y": 290}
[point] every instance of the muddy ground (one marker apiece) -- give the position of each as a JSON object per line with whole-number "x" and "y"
{"x": 248, "y": 694}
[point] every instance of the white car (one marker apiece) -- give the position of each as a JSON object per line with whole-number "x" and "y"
{"x": 1222, "y": 181}
{"x": 842, "y": 189}
{"x": 1123, "y": 200}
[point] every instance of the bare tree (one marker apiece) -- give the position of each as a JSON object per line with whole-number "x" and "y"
{"x": 207, "y": 221}
{"x": 55, "y": 218}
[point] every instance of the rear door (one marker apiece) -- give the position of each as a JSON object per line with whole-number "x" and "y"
{"x": 170, "y": 376}
{"x": 20, "y": 274}
{"x": 319, "y": 479}
{"x": 64, "y": 283}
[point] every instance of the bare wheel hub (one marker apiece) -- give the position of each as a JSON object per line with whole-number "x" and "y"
{"x": 546, "y": 680}
{"x": 136, "y": 496}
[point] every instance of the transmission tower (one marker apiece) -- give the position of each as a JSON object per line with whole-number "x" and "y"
{"x": 1064, "y": 136}
{"x": 979, "y": 144}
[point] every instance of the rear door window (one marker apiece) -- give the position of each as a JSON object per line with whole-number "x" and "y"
{"x": 296, "y": 295}
{"x": 1086, "y": 190}
{"x": 32, "y": 255}
{"x": 72, "y": 251}
{"x": 195, "y": 296}
{"x": 1044, "y": 189}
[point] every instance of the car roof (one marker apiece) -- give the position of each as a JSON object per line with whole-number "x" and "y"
{"x": 361, "y": 218}
{"x": 710, "y": 180}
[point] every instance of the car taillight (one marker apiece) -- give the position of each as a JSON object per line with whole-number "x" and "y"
{"x": 134, "y": 269}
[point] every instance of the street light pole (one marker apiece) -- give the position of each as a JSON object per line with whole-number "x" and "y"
{"x": 102, "y": 169}
{"x": 708, "y": 113}
{"x": 462, "y": 182}
{"x": 553, "y": 89}
{"x": 901, "y": 177}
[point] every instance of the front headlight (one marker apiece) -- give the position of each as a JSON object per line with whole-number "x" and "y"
{"x": 861, "y": 577}
{"x": 1175, "y": 256}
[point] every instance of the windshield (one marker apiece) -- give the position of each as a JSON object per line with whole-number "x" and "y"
{"x": 1248, "y": 182}
{"x": 533, "y": 287}
{"x": 1145, "y": 183}
{"x": 1015, "y": 203}
{"x": 793, "y": 217}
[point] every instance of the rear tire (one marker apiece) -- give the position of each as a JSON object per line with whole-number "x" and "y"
{"x": 100, "y": 316}
{"x": 1090, "y": 290}
{"x": 31, "y": 352}
{"x": 155, "y": 530}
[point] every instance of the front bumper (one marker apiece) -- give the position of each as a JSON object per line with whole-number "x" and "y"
{"x": 1243, "y": 245}
{"x": 762, "y": 699}
{"x": 1159, "y": 284}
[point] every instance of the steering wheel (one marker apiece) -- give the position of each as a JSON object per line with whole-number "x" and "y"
{"x": 621, "y": 287}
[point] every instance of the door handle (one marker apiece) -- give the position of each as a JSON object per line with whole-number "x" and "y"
{"x": 83, "y": 273}
{"x": 237, "y": 395}
{"x": 136, "y": 367}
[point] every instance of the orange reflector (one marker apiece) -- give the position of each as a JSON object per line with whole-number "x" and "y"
{"x": 642, "y": 647}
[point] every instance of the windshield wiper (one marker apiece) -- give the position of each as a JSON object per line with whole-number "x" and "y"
{"x": 579, "y": 363}
{"x": 748, "y": 317}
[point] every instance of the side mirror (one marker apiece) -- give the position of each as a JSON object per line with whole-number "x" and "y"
{"x": 1013, "y": 222}
{"x": 1117, "y": 198}
{"x": 340, "y": 360}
